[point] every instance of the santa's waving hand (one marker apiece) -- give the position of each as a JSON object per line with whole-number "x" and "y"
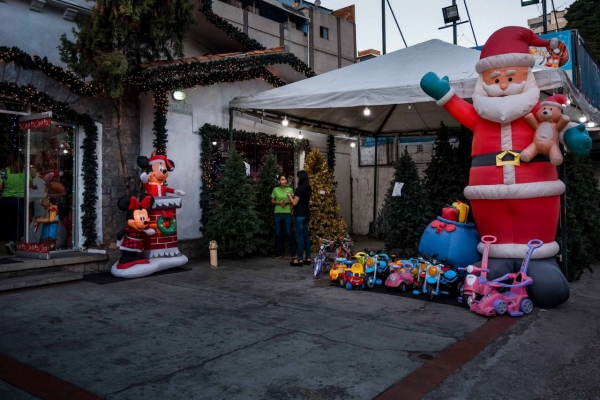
{"x": 512, "y": 200}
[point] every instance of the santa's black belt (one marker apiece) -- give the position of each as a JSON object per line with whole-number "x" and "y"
{"x": 490, "y": 159}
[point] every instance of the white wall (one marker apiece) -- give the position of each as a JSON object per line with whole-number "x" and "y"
{"x": 31, "y": 31}
{"x": 211, "y": 105}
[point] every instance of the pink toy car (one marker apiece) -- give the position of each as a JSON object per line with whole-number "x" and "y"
{"x": 514, "y": 300}
{"x": 401, "y": 275}
{"x": 474, "y": 287}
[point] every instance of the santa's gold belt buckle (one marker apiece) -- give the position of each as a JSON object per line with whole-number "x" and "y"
{"x": 516, "y": 161}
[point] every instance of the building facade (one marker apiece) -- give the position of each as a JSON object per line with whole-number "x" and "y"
{"x": 269, "y": 42}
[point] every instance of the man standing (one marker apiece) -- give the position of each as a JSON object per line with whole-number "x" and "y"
{"x": 512, "y": 200}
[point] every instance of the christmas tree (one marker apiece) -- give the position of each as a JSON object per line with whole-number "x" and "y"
{"x": 445, "y": 178}
{"x": 266, "y": 182}
{"x": 583, "y": 214}
{"x": 404, "y": 217}
{"x": 325, "y": 220}
{"x": 233, "y": 221}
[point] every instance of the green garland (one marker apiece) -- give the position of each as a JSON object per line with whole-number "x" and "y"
{"x": 231, "y": 31}
{"x": 29, "y": 94}
{"x": 161, "y": 108}
{"x": 209, "y": 155}
{"x": 188, "y": 75}
{"x": 61, "y": 75}
{"x": 331, "y": 153}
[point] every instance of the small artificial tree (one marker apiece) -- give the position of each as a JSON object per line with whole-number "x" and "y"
{"x": 583, "y": 214}
{"x": 404, "y": 217}
{"x": 325, "y": 220}
{"x": 445, "y": 179}
{"x": 120, "y": 35}
{"x": 233, "y": 221}
{"x": 267, "y": 180}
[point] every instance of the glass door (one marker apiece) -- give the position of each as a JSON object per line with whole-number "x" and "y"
{"x": 50, "y": 192}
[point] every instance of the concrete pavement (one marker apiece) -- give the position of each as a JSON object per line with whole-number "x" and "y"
{"x": 257, "y": 328}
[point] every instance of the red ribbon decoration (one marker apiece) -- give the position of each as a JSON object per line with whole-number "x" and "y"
{"x": 442, "y": 226}
{"x": 168, "y": 214}
{"x": 134, "y": 204}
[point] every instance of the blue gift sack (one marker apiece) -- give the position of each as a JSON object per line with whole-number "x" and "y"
{"x": 454, "y": 241}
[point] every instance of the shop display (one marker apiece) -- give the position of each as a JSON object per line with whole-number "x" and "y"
{"x": 511, "y": 200}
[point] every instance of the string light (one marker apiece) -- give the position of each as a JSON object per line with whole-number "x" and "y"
{"x": 568, "y": 101}
{"x": 583, "y": 118}
{"x": 214, "y": 143}
{"x": 285, "y": 121}
{"x": 591, "y": 124}
{"x": 352, "y": 144}
{"x": 367, "y": 112}
{"x": 300, "y": 135}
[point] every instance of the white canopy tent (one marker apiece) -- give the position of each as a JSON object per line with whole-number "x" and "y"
{"x": 389, "y": 86}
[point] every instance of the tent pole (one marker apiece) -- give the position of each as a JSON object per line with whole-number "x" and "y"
{"x": 383, "y": 26}
{"x": 376, "y": 135}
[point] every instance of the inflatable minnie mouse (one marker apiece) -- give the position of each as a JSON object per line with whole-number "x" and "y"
{"x": 158, "y": 167}
{"x": 129, "y": 239}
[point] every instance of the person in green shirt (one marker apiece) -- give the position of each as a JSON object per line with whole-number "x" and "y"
{"x": 12, "y": 200}
{"x": 283, "y": 215}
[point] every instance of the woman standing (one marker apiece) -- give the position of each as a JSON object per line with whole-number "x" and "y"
{"x": 300, "y": 200}
{"x": 283, "y": 215}
{"x": 12, "y": 202}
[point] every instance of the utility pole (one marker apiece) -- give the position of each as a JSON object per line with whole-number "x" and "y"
{"x": 454, "y": 33}
{"x": 544, "y": 18}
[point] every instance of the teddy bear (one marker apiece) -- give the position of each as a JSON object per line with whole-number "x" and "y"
{"x": 154, "y": 180}
{"x": 129, "y": 239}
{"x": 548, "y": 122}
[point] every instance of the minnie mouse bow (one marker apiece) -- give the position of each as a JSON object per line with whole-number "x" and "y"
{"x": 441, "y": 226}
{"x": 134, "y": 204}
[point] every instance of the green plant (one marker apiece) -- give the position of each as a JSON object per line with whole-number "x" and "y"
{"x": 233, "y": 221}
{"x": 404, "y": 217}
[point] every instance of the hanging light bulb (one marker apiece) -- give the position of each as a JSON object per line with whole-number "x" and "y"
{"x": 568, "y": 101}
{"x": 352, "y": 144}
{"x": 367, "y": 112}
{"x": 300, "y": 135}
{"x": 409, "y": 106}
{"x": 214, "y": 143}
{"x": 582, "y": 118}
{"x": 285, "y": 121}
{"x": 591, "y": 124}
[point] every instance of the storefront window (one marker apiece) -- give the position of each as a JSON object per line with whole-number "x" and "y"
{"x": 37, "y": 204}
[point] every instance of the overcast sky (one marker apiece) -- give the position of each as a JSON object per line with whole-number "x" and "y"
{"x": 420, "y": 20}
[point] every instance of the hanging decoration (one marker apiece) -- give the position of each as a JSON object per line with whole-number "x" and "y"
{"x": 211, "y": 161}
{"x": 62, "y": 112}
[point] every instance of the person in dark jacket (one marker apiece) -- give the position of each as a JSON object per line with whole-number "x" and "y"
{"x": 300, "y": 200}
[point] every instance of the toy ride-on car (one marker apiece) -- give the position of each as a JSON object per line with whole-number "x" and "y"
{"x": 402, "y": 274}
{"x": 353, "y": 277}
{"x": 514, "y": 300}
{"x": 339, "y": 267}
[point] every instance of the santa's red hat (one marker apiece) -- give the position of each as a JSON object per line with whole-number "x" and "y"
{"x": 556, "y": 100}
{"x": 509, "y": 47}
{"x": 160, "y": 158}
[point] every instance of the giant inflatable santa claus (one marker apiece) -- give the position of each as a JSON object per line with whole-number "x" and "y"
{"x": 515, "y": 201}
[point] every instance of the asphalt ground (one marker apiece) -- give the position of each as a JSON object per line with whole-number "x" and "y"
{"x": 258, "y": 328}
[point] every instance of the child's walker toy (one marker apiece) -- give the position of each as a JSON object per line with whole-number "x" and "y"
{"x": 514, "y": 301}
{"x": 474, "y": 287}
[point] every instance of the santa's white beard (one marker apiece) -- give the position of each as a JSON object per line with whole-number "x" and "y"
{"x": 507, "y": 108}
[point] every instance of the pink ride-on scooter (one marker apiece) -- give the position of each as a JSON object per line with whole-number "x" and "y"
{"x": 514, "y": 300}
{"x": 474, "y": 287}
{"x": 401, "y": 275}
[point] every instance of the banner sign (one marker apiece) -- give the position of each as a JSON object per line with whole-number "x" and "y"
{"x": 35, "y": 124}
{"x": 561, "y": 57}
